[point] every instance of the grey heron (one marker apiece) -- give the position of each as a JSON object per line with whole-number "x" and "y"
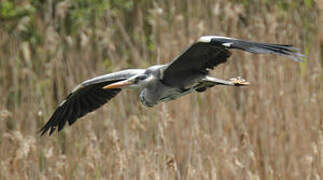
{"x": 187, "y": 73}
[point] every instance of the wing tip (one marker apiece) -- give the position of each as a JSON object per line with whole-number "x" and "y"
{"x": 44, "y": 130}
{"x": 54, "y": 120}
{"x": 47, "y": 127}
{"x": 298, "y": 58}
{"x": 294, "y": 54}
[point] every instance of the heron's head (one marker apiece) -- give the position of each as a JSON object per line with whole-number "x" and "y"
{"x": 137, "y": 81}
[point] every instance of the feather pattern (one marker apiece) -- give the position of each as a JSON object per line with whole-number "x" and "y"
{"x": 210, "y": 51}
{"x": 77, "y": 104}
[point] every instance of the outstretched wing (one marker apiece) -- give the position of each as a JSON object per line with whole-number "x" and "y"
{"x": 85, "y": 98}
{"x": 210, "y": 51}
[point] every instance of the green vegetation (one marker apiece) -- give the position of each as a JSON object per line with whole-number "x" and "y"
{"x": 272, "y": 129}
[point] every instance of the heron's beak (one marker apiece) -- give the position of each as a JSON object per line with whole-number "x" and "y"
{"x": 119, "y": 84}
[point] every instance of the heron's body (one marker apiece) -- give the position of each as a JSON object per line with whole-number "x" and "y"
{"x": 187, "y": 73}
{"x": 156, "y": 90}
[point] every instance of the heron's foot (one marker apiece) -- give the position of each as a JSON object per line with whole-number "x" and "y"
{"x": 239, "y": 81}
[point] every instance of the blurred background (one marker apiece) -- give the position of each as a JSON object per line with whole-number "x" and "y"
{"x": 272, "y": 129}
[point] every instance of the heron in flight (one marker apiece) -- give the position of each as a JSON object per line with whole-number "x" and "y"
{"x": 187, "y": 73}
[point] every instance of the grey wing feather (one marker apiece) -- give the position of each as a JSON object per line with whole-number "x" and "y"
{"x": 257, "y": 48}
{"x": 210, "y": 51}
{"x": 193, "y": 63}
{"x": 124, "y": 74}
{"x": 85, "y": 98}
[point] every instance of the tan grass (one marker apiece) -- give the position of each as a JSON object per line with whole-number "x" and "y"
{"x": 272, "y": 129}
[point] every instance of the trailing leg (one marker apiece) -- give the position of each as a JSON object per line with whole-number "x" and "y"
{"x": 209, "y": 81}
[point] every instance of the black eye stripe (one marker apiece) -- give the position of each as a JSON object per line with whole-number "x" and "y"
{"x": 139, "y": 78}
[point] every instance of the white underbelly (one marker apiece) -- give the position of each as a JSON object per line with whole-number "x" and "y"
{"x": 172, "y": 94}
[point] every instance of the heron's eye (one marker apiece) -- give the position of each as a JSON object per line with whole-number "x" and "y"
{"x": 141, "y": 78}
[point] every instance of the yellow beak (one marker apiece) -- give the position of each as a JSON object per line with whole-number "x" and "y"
{"x": 119, "y": 84}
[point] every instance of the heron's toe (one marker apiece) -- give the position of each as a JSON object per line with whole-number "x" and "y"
{"x": 239, "y": 81}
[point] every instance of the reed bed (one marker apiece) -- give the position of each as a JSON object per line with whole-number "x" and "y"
{"x": 272, "y": 129}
